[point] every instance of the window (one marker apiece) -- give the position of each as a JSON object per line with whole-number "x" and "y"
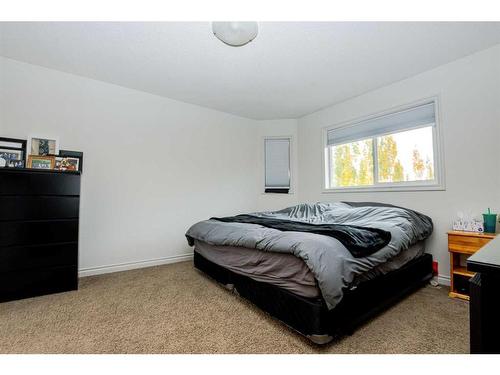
{"x": 395, "y": 150}
{"x": 277, "y": 165}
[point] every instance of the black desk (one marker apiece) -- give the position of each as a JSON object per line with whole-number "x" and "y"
{"x": 485, "y": 299}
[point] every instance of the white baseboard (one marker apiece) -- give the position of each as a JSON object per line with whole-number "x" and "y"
{"x": 133, "y": 265}
{"x": 443, "y": 280}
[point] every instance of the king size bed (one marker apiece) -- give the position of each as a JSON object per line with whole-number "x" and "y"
{"x": 321, "y": 268}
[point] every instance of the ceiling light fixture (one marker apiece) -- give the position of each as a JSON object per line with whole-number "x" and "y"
{"x": 235, "y": 34}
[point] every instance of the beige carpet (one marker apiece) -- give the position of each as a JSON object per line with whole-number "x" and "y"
{"x": 175, "y": 309}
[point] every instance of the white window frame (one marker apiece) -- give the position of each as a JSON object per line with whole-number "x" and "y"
{"x": 290, "y": 162}
{"x": 437, "y": 184}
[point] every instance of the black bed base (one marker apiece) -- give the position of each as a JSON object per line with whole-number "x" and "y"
{"x": 310, "y": 316}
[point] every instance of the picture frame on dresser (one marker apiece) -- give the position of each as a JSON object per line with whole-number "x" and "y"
{"x": 64, "y": 163}
{"x": 12, "y": 152}
{"x": 40, "y": 162}
{"x": 73, "y": 154}
{"x": 10, "y": 158}
{"x": 41, "y": 146}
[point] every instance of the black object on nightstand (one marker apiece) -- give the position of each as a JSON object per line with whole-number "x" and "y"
{"x": 39, "y": 215}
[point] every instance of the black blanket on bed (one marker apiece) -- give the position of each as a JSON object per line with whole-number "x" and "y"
{"x": 360, "y": 241}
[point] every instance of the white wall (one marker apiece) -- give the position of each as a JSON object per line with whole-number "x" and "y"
{"x": 152, "y": 166}
{"x": 469, "y": 92}
{"x": 279, "y": 128}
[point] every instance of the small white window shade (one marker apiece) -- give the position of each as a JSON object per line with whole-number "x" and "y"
{"x": 421, "y": 116}
{"x": 277, "y": 165}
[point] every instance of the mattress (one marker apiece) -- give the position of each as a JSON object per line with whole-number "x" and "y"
{"x": 288, "y": 271}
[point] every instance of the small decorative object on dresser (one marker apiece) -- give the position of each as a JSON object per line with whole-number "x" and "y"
{"x": 461, "y": 245}
{"x": 41, "y": 162}
{"x": 43, "y": 146}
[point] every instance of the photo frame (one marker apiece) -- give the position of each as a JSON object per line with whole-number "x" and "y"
{"x": 63, "y": 163}
{"x": 12, "y": 152}
{"x": 73, "y": 154}
{"x": 11, "y": 158}
{"x": 15, "y": 164}
{"x": 42, "y": 146}
{"x": 41, "y": 162}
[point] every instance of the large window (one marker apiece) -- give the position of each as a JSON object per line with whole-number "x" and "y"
{"x": 395, "y": 150}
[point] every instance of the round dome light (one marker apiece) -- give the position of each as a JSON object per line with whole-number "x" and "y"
{"x": 235, "y": 33}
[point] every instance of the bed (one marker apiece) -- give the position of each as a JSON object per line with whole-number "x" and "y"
{"x": 321, "y": 268}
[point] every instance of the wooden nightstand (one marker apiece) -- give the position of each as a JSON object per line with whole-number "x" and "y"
{"x": 461, "y": 245}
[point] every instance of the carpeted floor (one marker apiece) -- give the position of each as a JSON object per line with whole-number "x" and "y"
{"x": 175, "y": 309}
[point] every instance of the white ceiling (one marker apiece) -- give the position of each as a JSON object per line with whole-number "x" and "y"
{"x": 291, "y": 68}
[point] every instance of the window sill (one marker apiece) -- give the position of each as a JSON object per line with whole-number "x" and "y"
{"x": 371, "y": 189}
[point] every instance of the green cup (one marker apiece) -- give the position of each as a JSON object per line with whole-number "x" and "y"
{"x": 490, "y": 223}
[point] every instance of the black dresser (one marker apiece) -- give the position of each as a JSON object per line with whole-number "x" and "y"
{"x": 485, "y": 299}
{"x": 39, "y": 213}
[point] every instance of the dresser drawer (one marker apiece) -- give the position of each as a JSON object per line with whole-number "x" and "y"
{"x": 38, "y": 207}
{"x": 26, "y": 182}
{"x": 31, "y": 257}
{"x": 30, "y": 283}
{"x": 38, "y": 232}
{"x": 466, "y": 244}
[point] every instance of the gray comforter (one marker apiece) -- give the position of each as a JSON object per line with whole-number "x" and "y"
{"x": 331, "y": 263}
